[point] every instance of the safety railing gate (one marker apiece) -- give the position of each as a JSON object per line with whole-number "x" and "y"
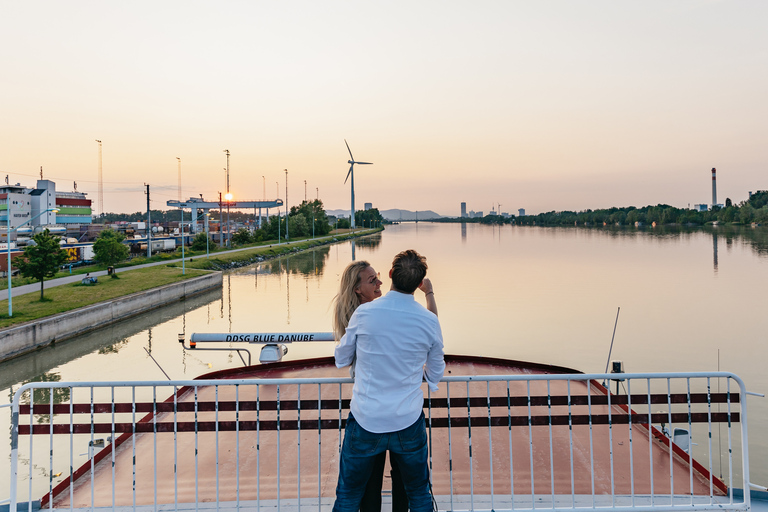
{"x": 522, "y": 442}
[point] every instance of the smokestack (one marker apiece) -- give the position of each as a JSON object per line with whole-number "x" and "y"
{"x": 714, "y": 187}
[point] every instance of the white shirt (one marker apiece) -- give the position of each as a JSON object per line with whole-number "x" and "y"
{"x": 393, "y": 338}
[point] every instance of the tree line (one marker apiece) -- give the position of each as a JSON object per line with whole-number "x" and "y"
{"x": 753, "y": 210}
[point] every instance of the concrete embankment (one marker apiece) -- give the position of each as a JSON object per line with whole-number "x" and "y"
{"x": 29, "y": 336}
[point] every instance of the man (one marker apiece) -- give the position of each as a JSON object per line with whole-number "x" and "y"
{"x": 397, "y": 344}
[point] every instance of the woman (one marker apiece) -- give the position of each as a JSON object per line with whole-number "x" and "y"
{"x": 360, "y": 284}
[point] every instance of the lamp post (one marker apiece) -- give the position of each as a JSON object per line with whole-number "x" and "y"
{"x": 54, "y": 210}
{"x": 228, "y": 197}
{"x": 286, "y": 205}
{"x": 181, "y": 225}
{"x": 207, "y": 237}
{"x": 263, "y": 198}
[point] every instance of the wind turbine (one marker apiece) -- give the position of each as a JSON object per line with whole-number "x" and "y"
{"x": 351, "y": 172}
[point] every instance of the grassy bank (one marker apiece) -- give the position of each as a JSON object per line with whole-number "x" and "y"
{"x": 261, "y": 252}
{"x": 72, "y": 296}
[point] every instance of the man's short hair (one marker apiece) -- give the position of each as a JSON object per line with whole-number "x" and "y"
{"x": 408, "y": 271}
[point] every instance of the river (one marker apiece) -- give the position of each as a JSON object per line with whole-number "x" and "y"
{"x": 690, "y": 299}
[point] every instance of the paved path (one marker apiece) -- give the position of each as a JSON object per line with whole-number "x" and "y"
{"x": 76, "y": 278}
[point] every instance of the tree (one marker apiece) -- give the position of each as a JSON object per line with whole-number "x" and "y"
{"x": 42, "y": 259}
{"x": 200, "y": 242}
{"x": 109, "y": 248}
{"x": 242, "y": 237}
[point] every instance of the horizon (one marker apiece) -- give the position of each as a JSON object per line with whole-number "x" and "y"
{"x": 547, "y": 107}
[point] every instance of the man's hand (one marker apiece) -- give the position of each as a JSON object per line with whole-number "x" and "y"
{"x": 426, "y": 286}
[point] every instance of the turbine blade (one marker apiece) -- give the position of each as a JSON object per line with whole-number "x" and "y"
{"x": 350, "y": 172}
{"x": 364, "y": 163}
{"x": 350, "y": 151}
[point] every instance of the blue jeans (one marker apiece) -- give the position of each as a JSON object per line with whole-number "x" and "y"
{"x": 407, "y": 447}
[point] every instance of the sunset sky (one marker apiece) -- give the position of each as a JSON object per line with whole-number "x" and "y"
{"x": 542, "y": 105}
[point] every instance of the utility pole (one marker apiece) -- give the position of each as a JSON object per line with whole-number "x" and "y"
{"x": 305, "y": 186}
{"x": 286, "y": 205}
{"x": 100, "y": 202}
{"x": 228, "y": 196}
{"x": 263, "y": 198}
{"x": 179, "y": 159}
{"x": 277, "y": 191}
{"x": 221, "y": 231}
{"x": 149, "y": 223}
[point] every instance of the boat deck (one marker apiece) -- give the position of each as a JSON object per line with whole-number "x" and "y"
{"x": 508, "y": 444}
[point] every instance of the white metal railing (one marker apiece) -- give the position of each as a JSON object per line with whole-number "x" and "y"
{"x": 517, "y": 442}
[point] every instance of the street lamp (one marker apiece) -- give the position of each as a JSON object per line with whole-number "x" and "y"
{"x": 181, "y": 225}
{"x": 207, "y": 237}
{"x": 228, "y": 197}
{"x": 54, "y": 210}
{"x": 286, "y": 205}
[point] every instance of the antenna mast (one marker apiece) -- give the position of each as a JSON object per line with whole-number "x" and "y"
{"x": 100, "y": 199}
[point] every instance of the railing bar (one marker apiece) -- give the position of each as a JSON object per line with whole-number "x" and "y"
{"x": 671, "y": 466}
{"x": 154, "y": 440}
{"x": 591, "y": 447}
{"x": 258, "y": 449}
{"x": 631, "y": 455}
{"x": 429, "y": 436}
{"x": 490, "y": 439}
{"x": 175, "y": 450}
{"x": 31, "y": 452}
{"x": 278, "y": 447}
{"x": 347, "y": 380}
{"x": 112, "y": 445}
{"x": 471, "y": 465}
{"x": 237, "y": 446}
{"x": 570, "y": 452}
{"x": 530, "y": 444}
{"x": 133, "y": 446}
{"x": 71, "y": 449}
{"x": 450, "y": 447}
{"x": 50, "y": 449}
{"x": 298, "y": 457}
{"x": 650, "y": 436}
{"x": 551, "y": 450}
{"x": 511, "y": 465}
{"x": 709, "y": 440}
{"x": 216, "y": 419}
{"x": 90, "y": 456}
{"x": 690, "y": 443}
{"x": 610, "y": 446}
{"x": 730, "y": 446}
{"x": 197, "y": 448}
{"x": 319, "y": 446}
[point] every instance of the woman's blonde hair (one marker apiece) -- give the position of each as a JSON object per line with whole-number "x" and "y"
{"x": 347, "y": 300}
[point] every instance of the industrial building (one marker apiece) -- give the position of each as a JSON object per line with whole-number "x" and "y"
{"x": 24, "y": 206}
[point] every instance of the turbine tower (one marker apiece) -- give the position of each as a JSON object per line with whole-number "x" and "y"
{"x": 351, "y": 173}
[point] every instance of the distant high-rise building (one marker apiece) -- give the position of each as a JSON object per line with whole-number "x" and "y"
{"x": 521, "y": 212}
{"x": 368, "y": 206}
{"x": 463, "y": 210}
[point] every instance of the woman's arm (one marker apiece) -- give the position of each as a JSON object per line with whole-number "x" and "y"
{"x": 429, "y": 295}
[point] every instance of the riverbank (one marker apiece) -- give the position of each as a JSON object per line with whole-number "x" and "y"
{"x": 28, "y": 336}
{"x": 249, "y": 256}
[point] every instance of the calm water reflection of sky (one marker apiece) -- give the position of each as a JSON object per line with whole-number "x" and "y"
{"x": 690, "y": 301}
